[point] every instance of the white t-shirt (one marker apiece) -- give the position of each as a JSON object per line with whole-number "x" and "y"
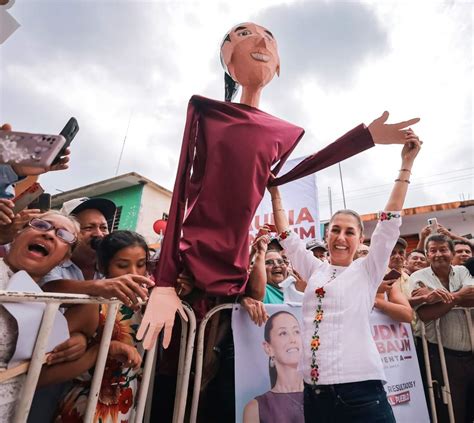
{"x": 347, "y": 352}
{"x": 453, "y": 326}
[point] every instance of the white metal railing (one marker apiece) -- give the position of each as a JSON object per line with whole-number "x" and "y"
{"x": 53, "y": 301}
{"x": 444, "y": 384}
{"x": 199, "y": 358}
{"x": 33, "y": 368}
{"x": 188, "y": 333}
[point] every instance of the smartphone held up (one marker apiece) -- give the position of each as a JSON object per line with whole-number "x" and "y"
{"x": 34, "y": 149}
{"x": 433, "y": 224}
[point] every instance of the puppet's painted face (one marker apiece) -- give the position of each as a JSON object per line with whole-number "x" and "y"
{"x": 250, "y": 54}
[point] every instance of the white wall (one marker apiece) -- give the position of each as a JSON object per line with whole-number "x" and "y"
{"x": 459, "y": 221}
{"x": 153, "y": 204}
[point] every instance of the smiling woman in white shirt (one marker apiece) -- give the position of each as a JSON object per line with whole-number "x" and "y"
{"x": 341, "y": 367}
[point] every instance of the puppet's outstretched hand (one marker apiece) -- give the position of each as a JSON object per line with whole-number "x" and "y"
{"x": 159, "y": 314}
{"x": 389, "y": 133}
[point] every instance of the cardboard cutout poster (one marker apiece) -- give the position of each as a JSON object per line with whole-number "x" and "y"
{"x": 253, "y": 374}
{"x": 301, "y": 202}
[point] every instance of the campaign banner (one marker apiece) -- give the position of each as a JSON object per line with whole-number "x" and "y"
{"x": 404, "y": 387}
{"x": 268, "y": 356}
{"x": 300, "y": 199}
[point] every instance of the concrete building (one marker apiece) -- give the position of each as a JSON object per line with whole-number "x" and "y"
{"x": 457, "y": 217}
{"x": 140, "y": 201}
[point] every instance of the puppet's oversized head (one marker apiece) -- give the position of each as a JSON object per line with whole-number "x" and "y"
{"x": 249, "y": 55}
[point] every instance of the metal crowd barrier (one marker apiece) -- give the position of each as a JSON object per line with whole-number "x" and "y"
{"x": 199, "y": 359}
{"x": 145, "y": 394}
{"x": 53, "y": 301}
{"x": 445, "y": 389}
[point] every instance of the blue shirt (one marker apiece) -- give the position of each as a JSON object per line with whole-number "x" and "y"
{"x": 7, "y": 178}
{"x": 66, "y": 270}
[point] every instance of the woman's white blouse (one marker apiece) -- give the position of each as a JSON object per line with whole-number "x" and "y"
{"x": 347, "y": 352}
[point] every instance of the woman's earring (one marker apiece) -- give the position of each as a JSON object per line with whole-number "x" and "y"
{"x": 272, "y": 361}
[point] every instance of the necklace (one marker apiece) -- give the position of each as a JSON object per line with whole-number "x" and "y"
{"x": 318, "y": 317}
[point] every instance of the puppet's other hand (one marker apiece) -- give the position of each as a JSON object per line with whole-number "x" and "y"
{"x": 389, "y": 133}
{"x": 159, "y": 315}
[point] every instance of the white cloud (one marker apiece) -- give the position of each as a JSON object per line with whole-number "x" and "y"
{"x": 103, "y": 63}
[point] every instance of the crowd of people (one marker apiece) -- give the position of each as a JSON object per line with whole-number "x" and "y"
{"x": 432, "y": 281}
{"x": 338, "y": 282}
{"x": 74, "y": 251}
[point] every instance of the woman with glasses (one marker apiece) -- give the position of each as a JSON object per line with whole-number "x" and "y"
{"x": 276, "y": 272}
{"x": 41, "y": 245}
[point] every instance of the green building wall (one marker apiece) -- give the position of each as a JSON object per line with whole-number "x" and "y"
{"x": 128, "y": 199}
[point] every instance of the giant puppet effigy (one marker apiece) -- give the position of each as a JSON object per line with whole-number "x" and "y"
{"x": 230, "y": 153}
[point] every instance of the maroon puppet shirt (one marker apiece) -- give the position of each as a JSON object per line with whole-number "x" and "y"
{"x": 227, "y": 155}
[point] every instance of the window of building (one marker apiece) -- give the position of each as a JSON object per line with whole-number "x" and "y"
{"x": 118, "y": 214}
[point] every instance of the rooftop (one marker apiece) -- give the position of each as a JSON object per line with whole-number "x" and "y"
{"x": 108, "y": 185}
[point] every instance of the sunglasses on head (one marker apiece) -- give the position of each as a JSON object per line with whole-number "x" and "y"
{"x": 45, "y": 226}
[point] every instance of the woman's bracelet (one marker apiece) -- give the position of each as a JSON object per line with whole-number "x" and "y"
{"x": 277, "y": 198}
{"x": 278, "y": 210}
{"x": 405, "y": 170}
{"x": 402, "y": 180}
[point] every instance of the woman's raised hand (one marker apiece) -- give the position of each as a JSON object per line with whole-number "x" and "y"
{"x": 261, "y": 244}
{"x": 389, "y": 133}
{"x": 411, "y": 148}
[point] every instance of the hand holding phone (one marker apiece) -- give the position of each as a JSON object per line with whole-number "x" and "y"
{"x": 393, "y": 274}
{"x": 433, "y": 223}
{"x": 27, "y": 197}
{"x": 43, "y": 203}
{"x": 25, "y": 149}
{"x": 68, "y": 132}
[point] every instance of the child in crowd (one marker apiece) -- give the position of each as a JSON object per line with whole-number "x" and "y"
{"x": 119, "y": 253}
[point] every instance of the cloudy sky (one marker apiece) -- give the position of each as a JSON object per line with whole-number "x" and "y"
{"x": 342, "y": 63}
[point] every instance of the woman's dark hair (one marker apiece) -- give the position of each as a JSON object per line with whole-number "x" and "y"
{"x": 231, "y": 87}
{"x": 272, "y": 371}
{"x": 111, "y": 244}
{"x": 352, "y": 213}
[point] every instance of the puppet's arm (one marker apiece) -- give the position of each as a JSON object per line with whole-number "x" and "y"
{"x": 164, "y": 302}
{"x": 355, "y": 141}
{"x": 159, "y": 315}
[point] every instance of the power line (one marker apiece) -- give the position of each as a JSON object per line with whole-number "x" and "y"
{"x": 415, "y": 187}
{"x": 427, "y": 183}
{"x": 419, "y": 177}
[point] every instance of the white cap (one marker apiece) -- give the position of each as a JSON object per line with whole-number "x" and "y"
{"x": 75, "y": 206}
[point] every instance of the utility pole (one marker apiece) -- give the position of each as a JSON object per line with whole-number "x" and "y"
{"x": 123, "y": 144}
{"x": 342, "y": 186}
{"x": 330, "y": 200}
